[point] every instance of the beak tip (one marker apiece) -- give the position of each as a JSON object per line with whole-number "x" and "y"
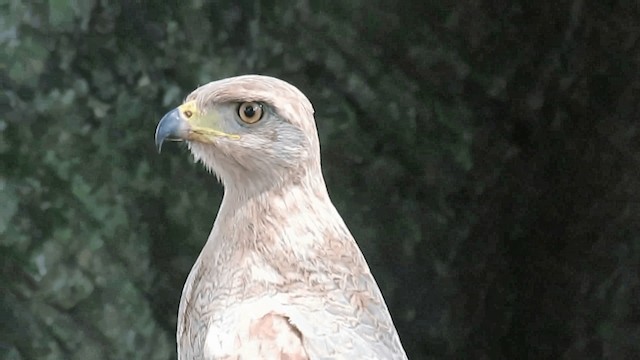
{"x": 171, "y": 126}
{"x": 158, "y": 142}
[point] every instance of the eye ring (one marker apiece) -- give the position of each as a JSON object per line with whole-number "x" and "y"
{"x": 250, "y": 112}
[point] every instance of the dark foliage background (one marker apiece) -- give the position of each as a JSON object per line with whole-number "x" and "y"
{"x": 485, "y": 154}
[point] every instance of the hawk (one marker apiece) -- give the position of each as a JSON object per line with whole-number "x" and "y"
{"x": 280, "y": 276}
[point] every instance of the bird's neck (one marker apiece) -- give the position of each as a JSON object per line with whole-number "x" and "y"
{"x": 275, "y": 235}
{"x": 276, "y": 211}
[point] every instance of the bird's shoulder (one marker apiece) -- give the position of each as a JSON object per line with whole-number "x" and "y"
{"x": 345, "y": 320}
{"x": 272, "y": 327}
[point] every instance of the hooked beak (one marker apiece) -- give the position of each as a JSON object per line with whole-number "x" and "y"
{"x": 188, "y": 122}
{"x": 172, "y": 127}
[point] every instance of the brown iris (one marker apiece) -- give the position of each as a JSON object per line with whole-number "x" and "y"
{"x": 250, "y": 112}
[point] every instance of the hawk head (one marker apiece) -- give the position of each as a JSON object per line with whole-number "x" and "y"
{"x": 254, "y": 132}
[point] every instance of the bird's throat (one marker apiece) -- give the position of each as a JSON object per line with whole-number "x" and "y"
{"x": 277, "y": 234}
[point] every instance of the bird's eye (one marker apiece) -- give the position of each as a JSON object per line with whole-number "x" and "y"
{"x": 250, "y": 112}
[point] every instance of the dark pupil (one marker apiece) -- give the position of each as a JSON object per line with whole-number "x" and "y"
{"x": 249, "y": 111}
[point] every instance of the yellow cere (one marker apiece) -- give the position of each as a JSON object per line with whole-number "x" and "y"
{"x": 203, "y": 125}
{"x": 189, "y": 109}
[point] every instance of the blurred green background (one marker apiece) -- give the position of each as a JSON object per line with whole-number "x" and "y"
{"x": 485, "y": 154}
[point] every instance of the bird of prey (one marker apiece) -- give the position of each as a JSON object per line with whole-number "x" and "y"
{"x": 280, "y": 276}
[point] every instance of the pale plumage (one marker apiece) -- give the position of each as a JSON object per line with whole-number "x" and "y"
{"x": 280, "y": 276}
